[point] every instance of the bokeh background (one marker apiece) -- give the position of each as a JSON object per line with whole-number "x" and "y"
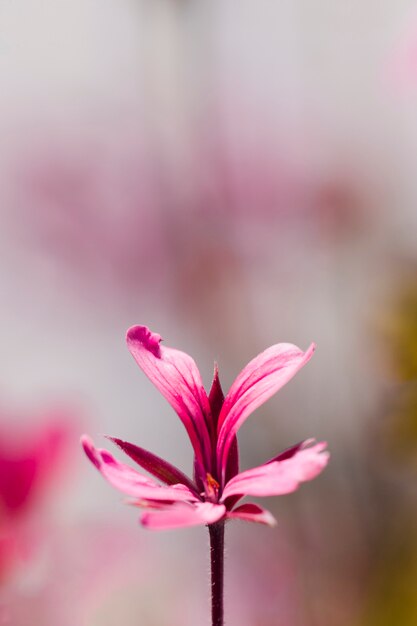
{"x": 232, "y": 174}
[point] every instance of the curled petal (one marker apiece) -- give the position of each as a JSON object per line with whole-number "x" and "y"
{"x": 176, "y": 376}
{"x": 257, "y": 382}
{"x": 250, "y": 512}
{"x": 183, "y": 515}
{"x": 279, "y": 477}
{"x": 129, "y": 481}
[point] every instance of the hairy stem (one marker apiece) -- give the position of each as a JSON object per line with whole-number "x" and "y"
{"x": 217, "y": 572}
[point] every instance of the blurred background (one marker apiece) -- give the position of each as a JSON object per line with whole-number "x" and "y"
{"x": 232, "y": 174}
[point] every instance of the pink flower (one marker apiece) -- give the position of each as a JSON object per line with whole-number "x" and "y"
{"x": 31, "y": 459}
{"x": 401, "y": 64}
{"x": 212, "y": 422}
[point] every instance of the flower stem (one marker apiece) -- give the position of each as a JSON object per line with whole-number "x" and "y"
{"x": 217, "y": 571}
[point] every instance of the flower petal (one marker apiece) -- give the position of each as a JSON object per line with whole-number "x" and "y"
{"x": 176, "y": 376}
{"x": 279, "y": 477}
{"x": 251, "y": 512}
{"x": 161, "y": 469}
{"x": 257, "y": 382}
{"x": 129, "y": 481}
{"x": 288, "y": 453}
{"x": 216, "y": 396}
{"x": 216, "y": 400}
{"x": 183, "y": 515}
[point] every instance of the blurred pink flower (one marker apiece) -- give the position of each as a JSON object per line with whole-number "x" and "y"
{"x": 212, "y": 422}
{"x": 401, "y": 66}
{"x": 138, "y": 199}
{"x": 29, "y": 464}
{"x": 70, "y": 191}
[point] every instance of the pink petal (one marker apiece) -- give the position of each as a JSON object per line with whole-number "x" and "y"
{"x": 161, "y": 469}
{"x": 216, "y": 396}
{"x": 232, "y": 462}
{"x": 288, "y": 453}
{"x": 31, "y": 460}
{"x": 250, "y": 512}
{"x": 129, "y": 481}
{"x": 216, "y": 400}
{"x": 176, "y": 376}
{"x": 257, "y": 382}
{"x": 18, "y": 480}
{"x": 183, "y": 515}
{"x": 279, "y": 477}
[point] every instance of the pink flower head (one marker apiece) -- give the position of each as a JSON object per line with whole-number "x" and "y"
{"x": 212, "y": 422}
{"x": 29, "y": 463}
{"x": 31, "y": 460}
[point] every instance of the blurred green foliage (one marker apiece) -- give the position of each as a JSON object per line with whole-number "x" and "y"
{"x": 393, "y": 596}
{"x": 399, "y": 328}
{"x": 399, "y": 332}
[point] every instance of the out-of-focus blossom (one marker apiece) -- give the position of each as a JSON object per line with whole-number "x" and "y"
{"x": 85, "y": 571}
{"x": 91, "y": 204}
{"x": 105, "y": 206}
{"x": 402, "y": 62}
{"x": 212, "y": 422}
{"x": 30, "y": 463}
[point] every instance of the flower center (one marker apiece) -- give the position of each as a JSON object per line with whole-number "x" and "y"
{"x": 212, "y": 488}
